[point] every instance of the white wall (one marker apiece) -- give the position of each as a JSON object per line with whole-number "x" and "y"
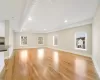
{"x": 66, "y": 40}
{"x": 7, "y": 32}
{"x": 8, "y": 38}
{"x": 2, "y": 29}
{"x": 96, "y": 40}
{"x": 31, "y": 40}
{"x": 11, "y": 41}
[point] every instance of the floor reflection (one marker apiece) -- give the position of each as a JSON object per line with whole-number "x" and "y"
{"x": 23, "y": 62}
{"x": 24, "y": 55}
{"x": 56, "y": 60}
{"x": 40, "y": 54}
{"x": 80, "y": 67}
{"x": 48, "y": 64}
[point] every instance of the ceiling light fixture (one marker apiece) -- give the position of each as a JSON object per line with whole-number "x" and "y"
{"x": 30, "y": 18}
{"x": 44, "y": 29}
{"x": 65, "y": 21}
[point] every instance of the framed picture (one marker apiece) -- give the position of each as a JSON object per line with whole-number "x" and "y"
{"x": 81, "y": 41}
{"x": 40, "y": 40}
{"x": 23, "y": 40}
{"x": 55, "y": 40}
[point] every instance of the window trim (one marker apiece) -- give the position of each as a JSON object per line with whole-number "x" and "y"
{"x": 37, "y": 40}
{"x": 20, "y": 41}
{"x": 54, "y": 40}
{"x": 85, "y": 42}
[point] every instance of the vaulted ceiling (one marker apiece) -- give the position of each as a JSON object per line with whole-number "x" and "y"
{"x": 40, "y": 16}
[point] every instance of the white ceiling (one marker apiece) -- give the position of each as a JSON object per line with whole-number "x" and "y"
{"x": 47, "y": 15}
{"x": 12, "y": 10}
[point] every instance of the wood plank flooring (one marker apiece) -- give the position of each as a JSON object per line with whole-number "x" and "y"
{"x": 48, "y": 64}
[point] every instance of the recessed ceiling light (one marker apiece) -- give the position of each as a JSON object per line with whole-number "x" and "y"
{"x": 65, "y": 21}
{"x": 30, "y": 18}
{"x": 44, "y": 29}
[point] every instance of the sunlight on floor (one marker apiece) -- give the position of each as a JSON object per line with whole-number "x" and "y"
{"x": 56, "y": 60}
{"x": 24, "y": 55}
{"x": 80, "y": 67}
{"x": 40, "y": 54}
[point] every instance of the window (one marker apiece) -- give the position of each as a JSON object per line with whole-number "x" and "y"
{"x": 81, "y": 41}
{"x": 40, "y": 40}
{"x": 23, "y": 40}
{"x": 55, "y": 40}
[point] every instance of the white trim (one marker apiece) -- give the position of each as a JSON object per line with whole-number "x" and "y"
{"x": 31, "y": 47}
{"x": 21, "y": 41}
{"x": 96, "y": 66}
{"x": 56, "y": 49}
{"x": 81, "y": 49}
{"x": 77, "y": 24}
{"x": 71, "y": 52}
{"x": 10, "y": 50}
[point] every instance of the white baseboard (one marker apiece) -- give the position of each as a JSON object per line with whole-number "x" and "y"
{"x": 55, "y": 49}
{"x": 96, "y": 67}
{"x": 71, "y": 52}
{"x": 10, "y": 51}
{"x": 30, "y": 47}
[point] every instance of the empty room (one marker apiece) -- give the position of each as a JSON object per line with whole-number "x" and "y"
{"x": 49, "y": 39}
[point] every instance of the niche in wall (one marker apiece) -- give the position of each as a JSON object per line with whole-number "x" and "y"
{"x": 55, "y": 40}
{"x": 40, "y": 40}
{"x": 81, "y": 41}
{"x": 23, "y": 40}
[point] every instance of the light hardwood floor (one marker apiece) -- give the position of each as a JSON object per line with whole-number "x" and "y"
{"x": 48, "y": 64}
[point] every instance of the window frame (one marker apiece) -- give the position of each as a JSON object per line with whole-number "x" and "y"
{"x": 21, "y": 41}
{"x": 43, "y": 40}
{"x": 54, "y": 40}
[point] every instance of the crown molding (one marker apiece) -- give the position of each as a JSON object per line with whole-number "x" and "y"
{"x": 73, "y": 25}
